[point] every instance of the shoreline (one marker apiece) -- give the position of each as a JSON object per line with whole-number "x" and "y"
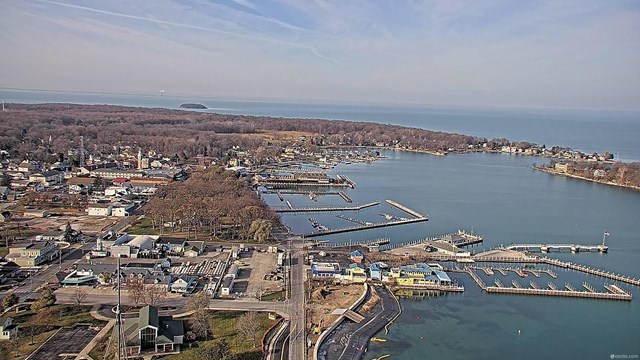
{"x": 553, "y": 172}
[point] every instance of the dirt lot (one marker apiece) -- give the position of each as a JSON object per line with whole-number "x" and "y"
{"x": 251, "y": 279}
{"x": 325, "y": 299}
{"x": 87, "y": 224}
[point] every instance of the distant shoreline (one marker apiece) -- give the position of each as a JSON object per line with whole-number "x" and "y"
{"x": 559, "y": 173}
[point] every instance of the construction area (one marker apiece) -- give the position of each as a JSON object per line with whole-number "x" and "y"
{"x": 258, "y": 273}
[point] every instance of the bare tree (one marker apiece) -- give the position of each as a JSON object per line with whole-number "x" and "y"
{"x": 41, "y": 321}
{"x": 80, "y": 294}
{"x": 248, "y": 325}
{"x": 153, "y": 294}
{"x": 199, "y": 322}
{"x": 136, "y": 292}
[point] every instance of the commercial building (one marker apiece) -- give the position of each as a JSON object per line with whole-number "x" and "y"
{"x": 33, "y": 254}
{"x": 153, "y": 333}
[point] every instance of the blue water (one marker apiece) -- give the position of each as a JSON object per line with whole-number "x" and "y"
{"x": 499, "y": 197}
{"x": 589, "y": 131}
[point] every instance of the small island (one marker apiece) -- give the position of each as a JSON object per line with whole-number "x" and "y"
{"x": 193, "y": 106}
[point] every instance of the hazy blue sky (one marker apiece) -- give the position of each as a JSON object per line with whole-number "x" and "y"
{"x": 583, "y": 54}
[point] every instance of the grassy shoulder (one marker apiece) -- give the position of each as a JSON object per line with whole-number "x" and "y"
{"x": 60, "y": 316}
{"x": 223, "y": 325}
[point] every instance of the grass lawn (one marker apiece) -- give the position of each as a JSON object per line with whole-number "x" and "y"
{"x": 66, "y": 315}
{"x": 223, "y": 326}
{"x": 143, "y": 226}
{"x": 276, "y": 296}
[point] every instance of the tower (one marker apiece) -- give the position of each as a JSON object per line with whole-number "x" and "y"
{"x": 139, "y": 159}
{"x": 81, "y": 150}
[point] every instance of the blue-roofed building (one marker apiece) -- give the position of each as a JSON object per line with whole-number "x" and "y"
{"x": 419, "y": 274}
{"x": 356, "y": 256}
{"x": 375, "y": 273}
{"x": 324, "y": 270}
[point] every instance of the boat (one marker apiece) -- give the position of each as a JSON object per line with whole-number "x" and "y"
{"x": 378, "y": 339}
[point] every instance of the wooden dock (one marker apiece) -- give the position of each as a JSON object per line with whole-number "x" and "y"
{"x": 565, "y": 293}
{"x": 545, "y": 248}
{"x": 291, "y": 209}
{"x": 552, "y": 291}
{"x": 405, "y": 209}
{"x": 363, "y": 227}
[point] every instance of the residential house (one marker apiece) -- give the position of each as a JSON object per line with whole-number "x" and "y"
{"x": 355, "y": 273}
{"x": 193, "y": 248}
{"x": 8, "y": 270}
{"x": 4, "y": 216}
{"x": 356, "y": 256}
{"x": 47, "y": 178}
{"x": 4, "y": 192}
{"x": 172, "y": 245}
{"x": 8, "y": 329}
{"x": 152, "y": 332}
{"x": 99, "y": 209}
{"x": 375, "y": 273}
{"x": 27, "y": 166}
{"x": 184, "y": 284}
{"x": 80, "y": 185}
{"x": 33, "y": 254}
{"x": 121, "y": 210}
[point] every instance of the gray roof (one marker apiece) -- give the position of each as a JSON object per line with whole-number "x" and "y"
{"x": 148, "y": 317}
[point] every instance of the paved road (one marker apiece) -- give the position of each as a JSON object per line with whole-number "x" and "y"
{"x": 297, "y": 309}
{"x": 387, "y": 309}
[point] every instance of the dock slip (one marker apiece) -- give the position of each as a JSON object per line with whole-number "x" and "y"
{"x": 353, "y": 220}
{"x": 325, "y": 209}
{"x": 405, "y": 209}
{"x": 545, "y": 248}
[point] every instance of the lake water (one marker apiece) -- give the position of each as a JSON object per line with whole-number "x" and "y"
{"x": 499, "y": 197}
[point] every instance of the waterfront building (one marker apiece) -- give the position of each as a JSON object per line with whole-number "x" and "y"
{"x": 419, "y": 274}
{"x": 355, "y": 273}
{"x": 356, "y": 256}
{"x": 323, "y": 270}
{"x": 375, "y": 273}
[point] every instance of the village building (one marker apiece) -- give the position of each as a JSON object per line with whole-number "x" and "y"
{"x": 152, "y": 332}
{"x": 33, "y": 254}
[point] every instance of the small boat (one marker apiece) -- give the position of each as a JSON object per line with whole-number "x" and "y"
{"x": 378, "y": 339}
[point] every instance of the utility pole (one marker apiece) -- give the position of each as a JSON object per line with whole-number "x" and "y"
{"x": 118, "y": 317}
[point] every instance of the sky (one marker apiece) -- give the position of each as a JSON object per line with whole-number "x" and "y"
{"x": 559, "y": 54}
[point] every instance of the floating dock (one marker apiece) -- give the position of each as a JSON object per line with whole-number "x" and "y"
{"x": 405, "y": 209}
{"x": 363, "y": 227}
{"x": 291, "y": 209}
{"x": 545, "y": 248}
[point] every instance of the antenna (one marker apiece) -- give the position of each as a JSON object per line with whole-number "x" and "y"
{"x": 81, "y": 150}
{"x": 118, "y": 316}
{"x": 2, "y": 105}
{"x": 604, "y": 237}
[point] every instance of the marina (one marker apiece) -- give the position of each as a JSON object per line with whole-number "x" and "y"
{"x": 291, "y": 209}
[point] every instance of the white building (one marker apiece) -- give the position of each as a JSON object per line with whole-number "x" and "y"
{"x": 99, "y": 209}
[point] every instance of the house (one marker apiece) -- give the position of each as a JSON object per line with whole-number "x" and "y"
{"x": 8, "y": 329}
{"x": 561, "y": 167}
{"x": 4, "y": 192}
{"x": 324, "y": 270}
{"x": 184, "y": 284}
{"x": 152, "y": 332}
{"x": 33, "y": 254}
{"x": 27, "y": 166}
{"x": 99, "y": 209}
{"x": 356, "y": 256}
{"x": 80, "y": 185}
{"x": 47, "y": 178}
{"x": 8, "y": 270}
{"x": 121, "y": 210}
{"x": 193, "y": 248}
{"x": 4, "y": 216}
{"x": 174, "y": 245}
{"x": 355, "y": 273}
{"x": 375, "y": 273}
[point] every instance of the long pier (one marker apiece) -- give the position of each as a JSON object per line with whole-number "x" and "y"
{"x": 326, "y": 209}
{"x": 380, "y": 241}
{"x": 405, "y": 209}
{"x": 544, "y": 248}
{"x": 353, "y": 220}
{"x": 362, "y": 227}
{"x": 552, "y": 291}
{"x": 459, "y": 239}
